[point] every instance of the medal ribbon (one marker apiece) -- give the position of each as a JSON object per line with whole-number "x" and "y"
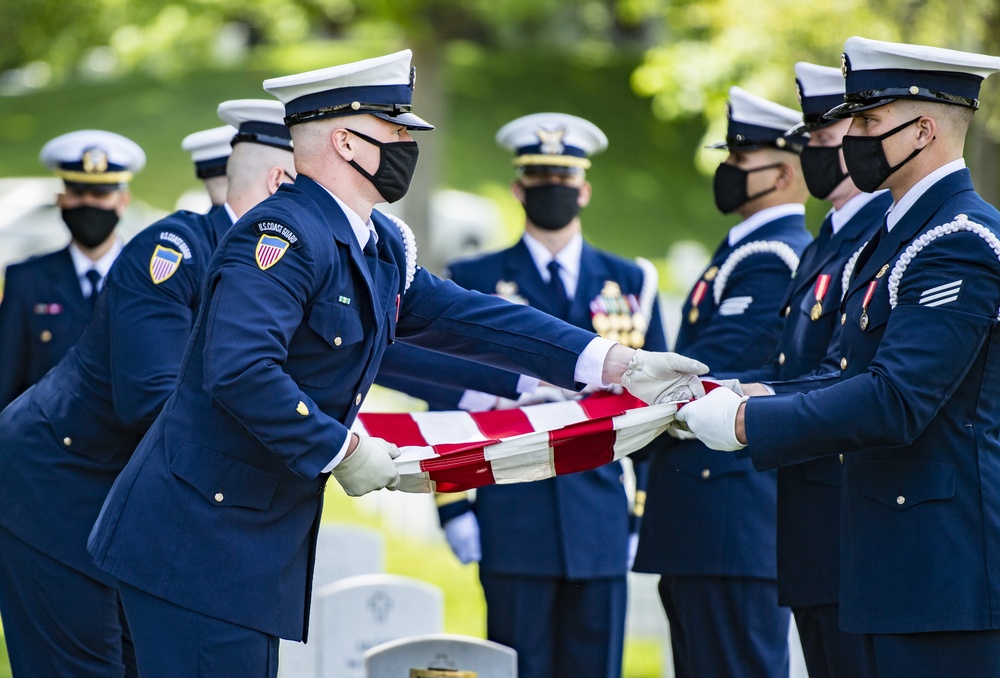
{"x": 699, "y": 292}
{"x": 822, "y": 285}
{"x": 869, "y": 293}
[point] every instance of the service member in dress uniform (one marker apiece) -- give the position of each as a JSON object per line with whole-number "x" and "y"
{"x": 68, "y": 436}
{"x": 914, "y": 411}
{"x": 710, "y": 519}
{"x": 210, "y": 151}
{"x": 49, "y": 299}
{"x": 809, "y": 494}
{"x": 554, "y": 554}
{"x": 211, "y": 528}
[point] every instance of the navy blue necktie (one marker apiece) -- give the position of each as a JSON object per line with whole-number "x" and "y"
{"x": 557, "y": 291}
{"x": 371, "y": 256}
{"x": 95, "y": 278}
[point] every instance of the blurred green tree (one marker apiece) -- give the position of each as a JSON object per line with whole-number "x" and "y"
{"x": 709, "y": 45}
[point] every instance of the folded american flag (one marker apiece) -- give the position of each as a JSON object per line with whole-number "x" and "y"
{"x": 458, "y": 451}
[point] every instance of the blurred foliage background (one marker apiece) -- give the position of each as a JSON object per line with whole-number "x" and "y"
{"x": 653, "y": 74}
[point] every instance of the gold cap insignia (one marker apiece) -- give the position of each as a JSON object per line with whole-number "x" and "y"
{"x": 551, "y": 140}
{"x": 95, "y": 160}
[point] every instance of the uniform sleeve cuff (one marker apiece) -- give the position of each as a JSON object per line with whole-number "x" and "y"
{"x": 590, "y": 364}
{"x": 340, "y": 455}
{"x": 526, "y": 384}
{"x": 476, "y": 401}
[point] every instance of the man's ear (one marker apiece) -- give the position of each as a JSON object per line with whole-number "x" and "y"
{"x": 342, "y": 143}
{"x": 585, "y": 193}
{"x": 786, "y": 175}
{"x": 123, "y": 202}
{"x": 517, "y": 189}
{"x": 927, "y": 129}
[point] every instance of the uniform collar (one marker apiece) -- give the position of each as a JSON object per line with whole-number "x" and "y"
{"x": 362, "y": 231}
{"x": 847, "y": 211}
{"x": 82, "y": 263}
{"x": 899, "y": 209}
{"x": 568, "y": 258}
{"x": 230, "y": 212}
{"x": 765, "y": 216}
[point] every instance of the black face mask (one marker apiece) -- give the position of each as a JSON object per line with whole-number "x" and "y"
{"x": 821, "y": 169}
{"x": 397, "y": 161}
{"x": 730, "y": 186}
{"x": 866, "y": 161}
{"x": 551, "y": 206}
{"x": 90, "y": 226}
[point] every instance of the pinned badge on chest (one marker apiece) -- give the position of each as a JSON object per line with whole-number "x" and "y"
{"x": 618, "y": 317}
{"x": 696, "y": 296}
{"x": 507, "y": 289}
{"x": 869, "y": 293}
{"x": 819, "y": 292}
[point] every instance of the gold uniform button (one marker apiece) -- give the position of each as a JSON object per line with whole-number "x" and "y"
{"x": 67, "y": 441}
{"x": 357, "y": 399}
{"x": 706, "y": 474}
{"x": 781, "y": 359}
{"x": 45, "y": 336}
{"x": 900, "y": 500}
{"x": 219, "y": 497}
{"x": 338, "y": 341}
{"x": 841, "y": 459}
{"x": 843, "y": 319}
{"x": 843, "y": 363}
{"x": 788, "y": 309}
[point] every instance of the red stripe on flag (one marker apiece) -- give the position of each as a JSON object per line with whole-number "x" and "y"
{"x": 402, "y": 430}
{"x": 459, "y": 467}
{"x": 582, "y": 446}
{"x": 604, "y": 404}
{"x": 502, "y": 423}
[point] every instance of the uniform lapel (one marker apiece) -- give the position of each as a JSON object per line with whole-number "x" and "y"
{"x": 913, "y": 222}
{"x": 66, "y": 288}
{"x": 593, "y": 273}
{"x": 520, "y": 268}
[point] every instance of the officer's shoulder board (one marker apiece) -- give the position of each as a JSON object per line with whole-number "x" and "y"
{"x": 274, "y": 239}
{"x": 774, "y": 247}
{"x": 169, "y": 251}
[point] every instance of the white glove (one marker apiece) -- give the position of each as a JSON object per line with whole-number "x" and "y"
{"x": 462, "y": 533}
{"x": 633, "y": 546}
{"x": 713, "y": 419}
{"x": 675, "y": 431}
{"x": 663, "y": 377}
{"x": 732, "y": 384}
{"x": 368, "y": 468}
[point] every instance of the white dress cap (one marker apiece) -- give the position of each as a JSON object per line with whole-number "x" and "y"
{"x": 260, "y": 121}
{"x": 755, "y": 122}
{"x": 879, "y": 72}
{"x": 93, "y": 157}
{"x": 210, "y": 143}
{"x": 552, "y": 140}
{"x": 382, "y": 86}
{"x": 820, "y": 89}
{"x": 210, "y": 150}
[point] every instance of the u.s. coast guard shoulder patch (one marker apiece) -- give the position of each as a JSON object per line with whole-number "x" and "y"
{"x": 275, "y": 240}
{"x": 164, "y": 263}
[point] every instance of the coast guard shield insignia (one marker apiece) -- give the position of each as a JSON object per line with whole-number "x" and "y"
{"x": 270, "y": 249}
{"x": 164, "y": 263}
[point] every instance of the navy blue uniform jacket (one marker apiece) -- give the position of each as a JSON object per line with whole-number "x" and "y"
{"x": 42, "y": 315}
{"x": 67, "y": 437}
{"x": 574, "y": 526}
{"x": 809, "y": 493}
{"x": 218, "y": 509}
{"x": 916, "y": 412}
{"x": 710, "y": 513}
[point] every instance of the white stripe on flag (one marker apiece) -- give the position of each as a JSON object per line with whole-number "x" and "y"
{"x": 533, "y": 464}
{"x": 550, "y": 416}
{"x": 438, "y": 428}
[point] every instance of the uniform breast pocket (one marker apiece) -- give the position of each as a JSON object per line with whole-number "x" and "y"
{"x": 901, "y": 485}
{"x": 332, "y": 336}
{"x": 222, "y": 480}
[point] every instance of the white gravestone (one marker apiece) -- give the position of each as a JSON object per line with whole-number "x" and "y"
{"x": 356, "y": 614}
{"x": 441, "y": 651}
{"x": 341, "y": 551}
